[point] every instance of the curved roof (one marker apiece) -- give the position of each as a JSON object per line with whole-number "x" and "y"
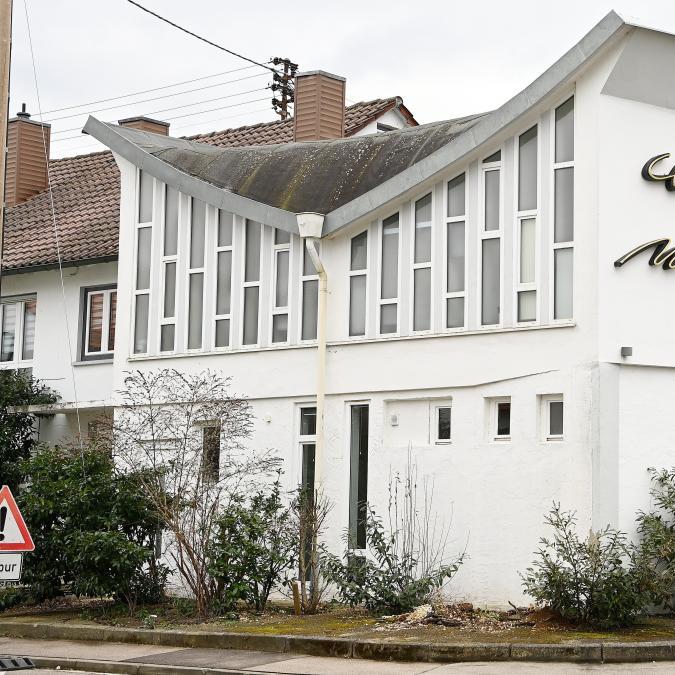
{"x": 317, "y": 176}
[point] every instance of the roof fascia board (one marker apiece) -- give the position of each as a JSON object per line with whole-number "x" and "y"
{"x": 223, "y": 199}
{"x": 46, "y": 267}
{"x": 558, "y": 74}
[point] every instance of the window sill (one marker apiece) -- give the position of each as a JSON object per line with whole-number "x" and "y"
{"x": 93, "y": 362}
{"x": 442, "y": 442}
{"x": 501, "y": 439}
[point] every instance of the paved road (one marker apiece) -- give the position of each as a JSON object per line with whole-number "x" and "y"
{"x": 266, "y": 662}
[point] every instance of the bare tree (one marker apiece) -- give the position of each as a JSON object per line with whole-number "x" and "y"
{"x": 310, "y": 510}
{"x": 190, "y": 432}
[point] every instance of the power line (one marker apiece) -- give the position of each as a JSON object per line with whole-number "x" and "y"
{"x": 199, "y": 37}
{"x": 175, "y": 117}
{"x": 147, "y": 100}
{"x": 184, "y": 126}
{"x": 149, "y": 91}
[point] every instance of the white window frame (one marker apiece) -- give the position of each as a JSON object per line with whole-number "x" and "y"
{"x": 303, "y": 439}
{"x": 107, "y": 292}
{"x": 526, "y": 214}
{"x": 545, "y": 403}
{"x": 484, "y": 234}
{"x": 423, "y": 265}
{"x": 275, "y": 311}
{"x": 250, "y": 284}
{"x": 554, "y": 167}
{"x": 388, "y": 301}
{"x": 494, "y": 419}
{"x": 447, "y": 295}
{"x": 195, "y": 270}
{"x": 437, "y": 407}
{"x": 144, "y": 291}
{"x": 18, "y": 361}
{"x": 218, "y": 317}
{"x": 303, "y": 278}
{"x": 365, "y": 272}
{"x": 164, "y": 260}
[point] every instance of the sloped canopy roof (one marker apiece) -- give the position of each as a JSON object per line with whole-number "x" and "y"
{"x": 303, "y": 177}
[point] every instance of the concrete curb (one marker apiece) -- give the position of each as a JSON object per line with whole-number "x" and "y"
{"x": 578, "y": 652}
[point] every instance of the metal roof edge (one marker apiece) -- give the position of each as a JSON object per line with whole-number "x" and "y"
{"x": 242, "y": 206}
{"x": 491, "y": 124}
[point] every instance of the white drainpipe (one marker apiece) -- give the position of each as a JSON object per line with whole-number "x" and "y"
{"x": 310, "y": 226}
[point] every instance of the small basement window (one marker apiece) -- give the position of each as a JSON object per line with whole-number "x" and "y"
{"x": 553, "y": 418}
{"x": 502, "y": 419}
{"x": 443, "y": 424}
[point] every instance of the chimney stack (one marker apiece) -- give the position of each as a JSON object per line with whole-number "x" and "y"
{"x": 146, "y": 124}
{"x": 319, "y": 106}
{"x": 26, "y": 173}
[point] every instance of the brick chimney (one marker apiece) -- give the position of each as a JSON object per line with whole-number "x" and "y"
{"x": 146, "y": 124}
{"x": 26, "y": 173}
{"x": 319, "y": 106}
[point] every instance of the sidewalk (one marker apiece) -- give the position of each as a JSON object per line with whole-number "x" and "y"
{"x": 128, "y": 659}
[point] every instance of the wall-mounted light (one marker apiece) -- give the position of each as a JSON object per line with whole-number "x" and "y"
{"x": 626, "y": 351}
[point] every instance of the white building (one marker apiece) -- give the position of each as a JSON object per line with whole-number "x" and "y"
{"x": 473, "y": 311}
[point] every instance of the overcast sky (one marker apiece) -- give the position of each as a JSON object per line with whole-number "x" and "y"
{"x": 445, "y": 58}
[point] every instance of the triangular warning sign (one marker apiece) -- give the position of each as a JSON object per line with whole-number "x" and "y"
{"x": 14, "y": 535}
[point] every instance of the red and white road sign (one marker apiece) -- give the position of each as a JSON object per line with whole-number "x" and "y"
{"x": 14, "y": 535}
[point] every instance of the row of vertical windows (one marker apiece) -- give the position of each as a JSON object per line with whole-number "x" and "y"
{"x": 491, "y": 242}
{"x": 201, "y": 275}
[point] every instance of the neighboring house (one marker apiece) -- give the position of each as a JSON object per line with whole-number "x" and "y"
{"x": 480, "y": 315}
{"x": 75, "y": 357}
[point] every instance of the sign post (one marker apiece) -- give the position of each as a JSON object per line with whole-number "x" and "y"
{"x": 15, "y": 538}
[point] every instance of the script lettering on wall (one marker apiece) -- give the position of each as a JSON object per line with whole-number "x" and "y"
{"x": 663, "y": 253}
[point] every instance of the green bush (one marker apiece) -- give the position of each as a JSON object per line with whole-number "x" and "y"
{"x": 253, "y": 548}
{"x": 17, "y": 437}
{"x": 93, "y": 529}
{"x": 601, "y": 580}
{"x": 657, "y": 532}
{"x": 393, "y": 577}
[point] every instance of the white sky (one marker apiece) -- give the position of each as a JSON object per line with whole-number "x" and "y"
{"x": 445, "y": 58}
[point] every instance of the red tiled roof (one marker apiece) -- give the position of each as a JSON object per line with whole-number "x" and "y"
{"x": 86, "y": 191}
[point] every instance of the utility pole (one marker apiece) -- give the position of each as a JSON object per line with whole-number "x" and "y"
{"x": 285, "y": 84}
{"x": 5, "y": 58}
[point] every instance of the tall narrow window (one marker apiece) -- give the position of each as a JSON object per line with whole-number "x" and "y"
{"x": 142, "y": 290}
{"x": 526, "y": 227}
{"x": 310, "y": 296}
{"x": 167, "y": 331}
{"x": 252, "y": 282}
{"x": 307, "y": 448}
{"x": 9, "y": 321}
{"x": 501, "y": 419}
{"x": 196, "y": 275}
{"x": 358, "y": 476}
{"x": 358, "y": 275}
{"x": 145, "y": 197}
{"x": 29, "y": 314}
{"x": 100, "y": 305}
{"x": 491, "y": 242}
{"x": 563, "y": 213}
{"x": 389, "y": 277}
{"x": 455, "y": 235}
{"x": 224, "y": 252}
{"x": 422, "y": 265}
{"x": 282, "y": 254}
{"x": 527, "y": 170}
